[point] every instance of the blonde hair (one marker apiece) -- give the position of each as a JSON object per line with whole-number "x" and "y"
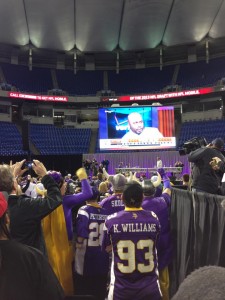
{"x": 18, "y": 190}
{"x": 6, "y": 179}
{"x": 103, "y": 187}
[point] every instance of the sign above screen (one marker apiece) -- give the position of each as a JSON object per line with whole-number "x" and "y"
{"x": 38, "y": 97}
{"x": 136, "y": 128}
{"x": 160, "y": 96}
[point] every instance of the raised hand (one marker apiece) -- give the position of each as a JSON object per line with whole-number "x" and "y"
{"x": 162, "y": 172}
{"x": 81, "y": 174}
{"x": 39, "y": 168}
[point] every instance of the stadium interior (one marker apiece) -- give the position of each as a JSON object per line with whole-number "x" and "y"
{"x": 60, "y": 64}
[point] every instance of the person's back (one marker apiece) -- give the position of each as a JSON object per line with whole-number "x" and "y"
{"x": 112, "y": 203}
{"x": 132, "y": 235}
{"x": 161, "y": 207}
{"x": 91, "y": 264}
{"x": 25, "y": 274}
{"x": 26, "y": 212}
{"x": 89, "y": 225}
{"x": 24, "y": 227}
{"x": 204, "y": 178}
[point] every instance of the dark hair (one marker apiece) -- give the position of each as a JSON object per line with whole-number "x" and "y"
{"x": 186, "y": 177}
{"x": 100, "y": 176}
{"x": 148, "y": 187}
{"x": 6, "y": 179}
{"x": 218, "y": 143}
{"x": 132, "y": 194}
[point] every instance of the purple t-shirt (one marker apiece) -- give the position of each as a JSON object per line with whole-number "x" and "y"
{"x": 160, "y": 206}
{"x": 90, "y": 260}
{"x": 113, "y": 203}
{"x": 133, "y": 235}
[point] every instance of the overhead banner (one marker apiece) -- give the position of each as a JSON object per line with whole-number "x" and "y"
{"x": 160, "y": 96}
{"x": 37, "y": 97}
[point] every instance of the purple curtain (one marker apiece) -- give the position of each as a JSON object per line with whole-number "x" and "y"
{"x": 140, "y": 159}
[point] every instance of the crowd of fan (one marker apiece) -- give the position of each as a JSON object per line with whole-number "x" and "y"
{"x": 118, "y": 220}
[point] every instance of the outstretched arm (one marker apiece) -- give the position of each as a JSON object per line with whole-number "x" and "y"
{"x": 41, "y": 207}
{"x": 196, "y": 155}
{"x": 70, "y": 201}
{"x": 166, "y": 181}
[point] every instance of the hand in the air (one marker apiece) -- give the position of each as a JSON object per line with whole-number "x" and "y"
{"x": 161, "y": 171}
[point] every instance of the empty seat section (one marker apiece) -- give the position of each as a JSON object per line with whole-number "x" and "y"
{"x": 141, "y": 80}
{"x": 82, "y": 83}
{"x": 200, "y": 74}
{"x": 207, "y": 129}
{"x": 36, "y": 81}
{"x": 10, "y": 140}
{"x": 49, "y": 139}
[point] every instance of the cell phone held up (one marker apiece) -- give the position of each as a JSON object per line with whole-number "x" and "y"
{"x": 27, "y": 165}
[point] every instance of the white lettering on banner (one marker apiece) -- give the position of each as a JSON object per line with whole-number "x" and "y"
{"x": 38, "y": 97}
{"x": 166, "y": 95}
{"x": 161, "y": 96}
{"x": 113, "y": 99}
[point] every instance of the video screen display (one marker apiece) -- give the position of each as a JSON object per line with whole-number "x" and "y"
{"x": 136, "y": 128}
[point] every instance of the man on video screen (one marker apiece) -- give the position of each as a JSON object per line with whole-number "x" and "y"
{"x": 137, "y": 129}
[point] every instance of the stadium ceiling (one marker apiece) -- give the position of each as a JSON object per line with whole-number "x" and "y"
{"x": 106, "y": 32}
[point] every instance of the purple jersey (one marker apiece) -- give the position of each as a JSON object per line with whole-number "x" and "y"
{"x": 160, "y": 207}
{"x": 113, "y": 203}
{"x": 90, "y": 260}
{"x": 70, "y": 201}
{"x": 133, "y": 235}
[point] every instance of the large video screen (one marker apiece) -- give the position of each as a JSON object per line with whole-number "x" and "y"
{"x": 136, "y": 128}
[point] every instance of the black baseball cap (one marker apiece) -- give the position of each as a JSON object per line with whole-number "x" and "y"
{"x": 218, "y": 143}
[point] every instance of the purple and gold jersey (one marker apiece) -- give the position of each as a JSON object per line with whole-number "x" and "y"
{"x": 160, "y": 206}
{"x": 113, "y": 203}
{"x": 90, "y": 260}
{"x": 133, "y": 235}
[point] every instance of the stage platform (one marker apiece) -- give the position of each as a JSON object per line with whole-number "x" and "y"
{"x": 148, "y": 172}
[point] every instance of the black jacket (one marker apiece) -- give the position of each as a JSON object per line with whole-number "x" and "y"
{"x": 221, "y": 165}
{"x": 26, "y": 214}
{"x": 25, "y": 274}
{"x": 203, "y": 175}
